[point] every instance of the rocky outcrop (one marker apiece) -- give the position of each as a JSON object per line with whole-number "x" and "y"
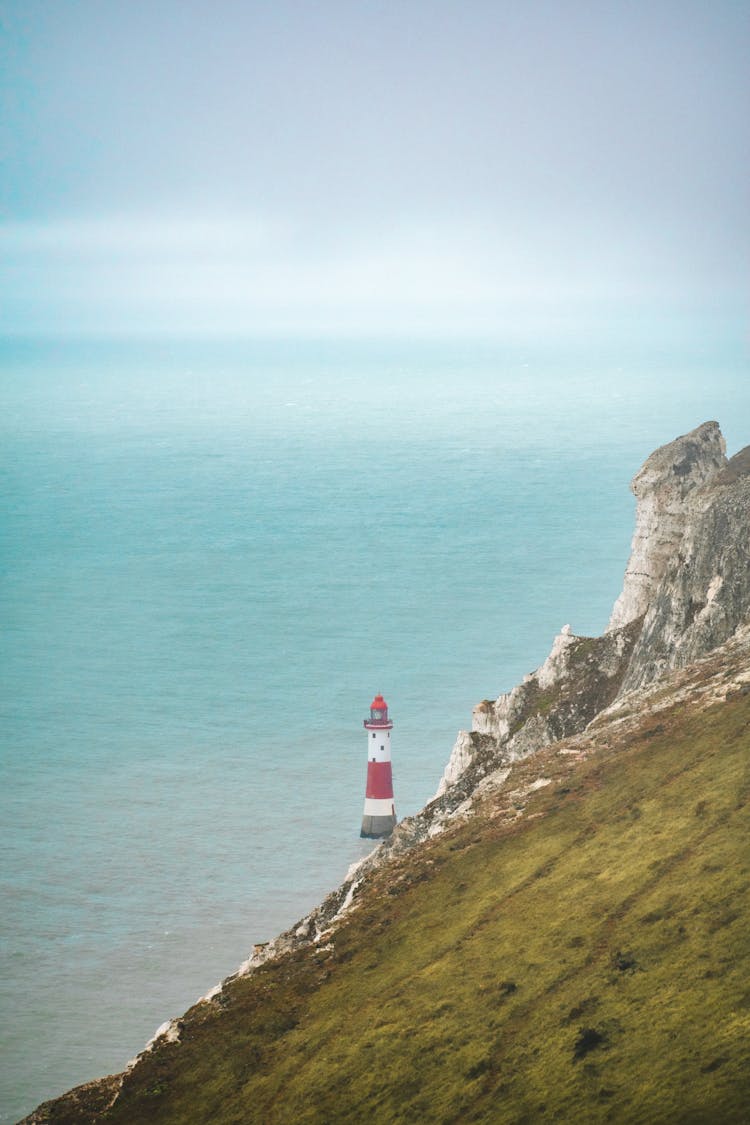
{"x": 580, "y": 677}
{"x": 686, "y": 590}
{"x": 704, "y": 593}
{"x": 660, "y": 487}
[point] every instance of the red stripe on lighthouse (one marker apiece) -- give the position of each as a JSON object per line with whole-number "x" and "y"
{"x": 379, "y": 780}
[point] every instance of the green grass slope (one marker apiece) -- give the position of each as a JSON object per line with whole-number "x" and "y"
{"x": 586, "y": 961}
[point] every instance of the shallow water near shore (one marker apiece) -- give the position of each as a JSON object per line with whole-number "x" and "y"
{"x": 213, "y": 555}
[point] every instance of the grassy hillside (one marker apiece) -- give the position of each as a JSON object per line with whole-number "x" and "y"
{"x": 588, "y": 960}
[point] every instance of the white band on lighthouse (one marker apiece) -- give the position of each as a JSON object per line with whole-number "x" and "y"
{"x": 379, "y": 806}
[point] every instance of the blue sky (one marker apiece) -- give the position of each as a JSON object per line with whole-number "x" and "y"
{"x": 370, "y": 167}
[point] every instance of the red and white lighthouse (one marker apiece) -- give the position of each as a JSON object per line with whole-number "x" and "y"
{"x": 379, "y": 818}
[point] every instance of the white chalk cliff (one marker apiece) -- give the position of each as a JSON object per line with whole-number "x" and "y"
{"x": 686, "y": 590}
{"x": 661, "y": 488}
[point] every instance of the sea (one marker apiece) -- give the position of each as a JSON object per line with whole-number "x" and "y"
{"x": 214, "y": 553}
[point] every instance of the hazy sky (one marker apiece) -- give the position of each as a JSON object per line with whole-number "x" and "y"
{"x": 370, "y": 166}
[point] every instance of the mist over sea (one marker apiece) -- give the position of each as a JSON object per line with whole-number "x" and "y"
{"x": 213, "y": 555}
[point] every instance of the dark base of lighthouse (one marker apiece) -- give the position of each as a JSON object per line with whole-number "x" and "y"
{"x": 376, "y": 827}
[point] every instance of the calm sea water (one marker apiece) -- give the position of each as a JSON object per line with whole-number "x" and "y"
{"x": 212, "y": 556}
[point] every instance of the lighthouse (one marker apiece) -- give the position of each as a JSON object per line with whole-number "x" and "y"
{"x": 379, "y": 817}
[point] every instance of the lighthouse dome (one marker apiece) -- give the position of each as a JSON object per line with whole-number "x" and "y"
{"x": 378, "y": 713}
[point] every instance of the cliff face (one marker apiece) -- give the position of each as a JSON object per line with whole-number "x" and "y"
{"x": 686, "y": 590}
{"x": 662, "y": 487}
{"x": 704, "y": 591}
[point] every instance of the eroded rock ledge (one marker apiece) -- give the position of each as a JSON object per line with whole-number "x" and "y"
{"x": 661, "y": 487}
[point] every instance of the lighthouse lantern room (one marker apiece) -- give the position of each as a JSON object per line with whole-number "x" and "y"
{"x": 379, "y": 818}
